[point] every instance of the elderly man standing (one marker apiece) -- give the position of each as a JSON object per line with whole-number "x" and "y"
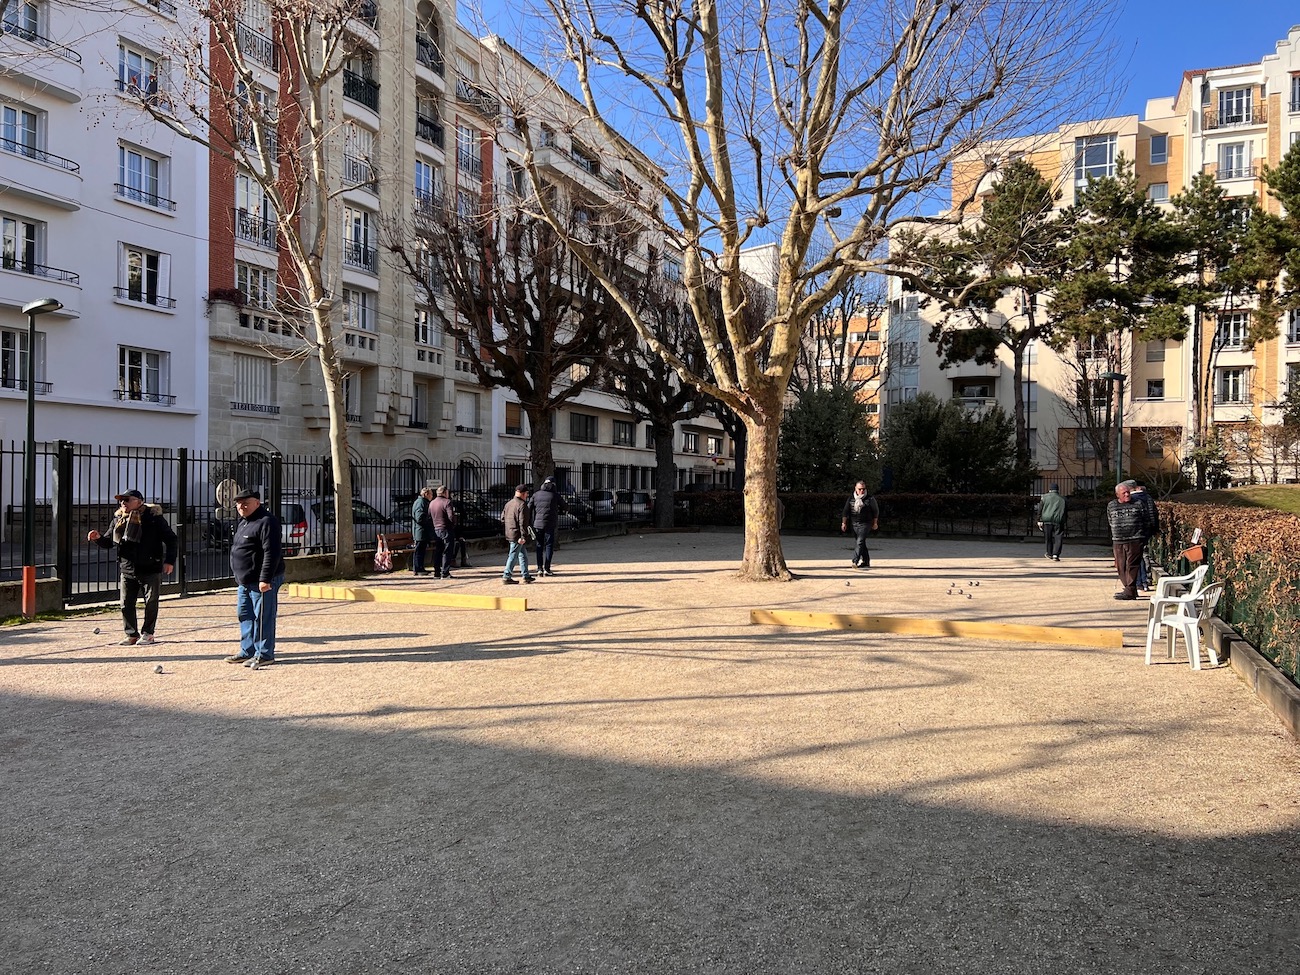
{"x": 1130, "y": 525}
{"x": 421, "y": 530}
{"x": 258, "y": 565}
{"x": 518, "y": 519}
{"x": 443, "y": 517}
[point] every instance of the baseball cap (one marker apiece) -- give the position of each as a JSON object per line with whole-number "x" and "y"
{"x": 523, "y": 488}
{"x": 129, "y": 494}
{"x": 246, "y": 494}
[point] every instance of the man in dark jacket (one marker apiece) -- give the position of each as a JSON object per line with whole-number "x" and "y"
{"x": 258, "y": 565}
{"x": 517, "y": 517}
{"x": 443, "y": 517}
{"x": 548, "y": 505}
{"x": 862, "y": 512}
{"x": 146, "y": 551}
{"x": 1139, "y": 493}
{"x": 1051, "y": 519}
{"x": 421, "y": 530}
{"x": 1129, "y": 529}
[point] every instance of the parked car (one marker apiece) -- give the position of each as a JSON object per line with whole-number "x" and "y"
{"x": 601, "y": 502}
{"x": 220, "y": 532}
{"x": 318, "y": 517}
{"x": 634, "y": 504}
{"x": 473, "y": 519}
{"x": 579, "y": 509}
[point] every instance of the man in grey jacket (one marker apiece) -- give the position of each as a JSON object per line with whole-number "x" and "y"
{"x": 1129, "y": 529}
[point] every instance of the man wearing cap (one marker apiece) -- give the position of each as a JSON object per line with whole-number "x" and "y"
{"x": 518, "y": 518}
{"x": 1051, "y": 519}
{"x": 548, "y": 505}
{"x": 258, "y": 565}
{"x": 146, "y": 551}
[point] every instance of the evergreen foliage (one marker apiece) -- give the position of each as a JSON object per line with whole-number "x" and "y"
{"x": 826, "y": 443}
{"x": 933, "y": 445}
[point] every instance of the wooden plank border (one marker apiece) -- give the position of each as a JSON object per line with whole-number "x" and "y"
{"x": 920, "y": 626}
{"x": 450, "y": 600}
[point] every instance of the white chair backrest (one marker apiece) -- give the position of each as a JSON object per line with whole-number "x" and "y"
{"x": 1194, "y": 580}
{"x": 1209, "y": 600}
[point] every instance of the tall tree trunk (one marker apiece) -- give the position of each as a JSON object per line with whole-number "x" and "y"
{"x": 541, "y": 454}
{"x": 1018, "y": 403}
{"x": 763, "y": 558}
{"x": 345, "y": 564}
{"x": 1199, "y": 411}
{"x": 665, "y": 476}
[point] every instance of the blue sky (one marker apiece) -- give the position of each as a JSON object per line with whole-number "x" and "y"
{"x": 1160, "y": 39}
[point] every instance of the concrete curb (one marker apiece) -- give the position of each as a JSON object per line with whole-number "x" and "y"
{"x": 1269, "y": 684}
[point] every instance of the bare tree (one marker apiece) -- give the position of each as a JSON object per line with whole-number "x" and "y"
{"x": 818, "y": 119}
{"x": 287, "y": 146}
{"x": 830, "y": 356}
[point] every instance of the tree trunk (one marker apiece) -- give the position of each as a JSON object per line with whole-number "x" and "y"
{"x": 1018, "y": 403}
{"x": 763, "y": 558}
{"x": 345, "y": 565}
{"x": 665, "y": 476}
{"x": 542, "y": 457}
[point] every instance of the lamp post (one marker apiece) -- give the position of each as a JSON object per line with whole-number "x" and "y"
{"x": 1118, "y": 378}
{"x": 33, "y": 308}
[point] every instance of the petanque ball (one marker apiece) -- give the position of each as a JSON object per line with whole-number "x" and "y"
{"x": 97, "y": 631}
{"x": 158, "y": 669}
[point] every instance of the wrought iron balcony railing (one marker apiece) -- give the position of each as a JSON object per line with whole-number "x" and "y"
{"x": 361, "y": 89}
{"x": 268, "y": 408}
{"x": 19, "y": 383}
{"x": 487, "y": 105}
{"x": 11, "y": 262}
{"x": 40, "y": 155}
{"x": 357, "y": 172}
{"x": 430, "y": 130}
{"x": 144, "y": 297}
{"x": 251, "y": 227}
{"x": 142, "y": 396}
{"x": 137, "y": 195}
{"x": 358, "y": 254}
{"x": 1212, "y": 118}
{"x": 257, "y": 45}
{"x": 427, "y": 53}
{"x": 32, "y": 37}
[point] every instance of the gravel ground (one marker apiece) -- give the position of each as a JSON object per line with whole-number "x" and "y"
{"x": 631, "y": 778}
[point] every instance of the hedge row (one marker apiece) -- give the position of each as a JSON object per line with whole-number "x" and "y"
{"x": 1256, "y": 555}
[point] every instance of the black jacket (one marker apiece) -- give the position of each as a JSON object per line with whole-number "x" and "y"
{"x": 868, "y": 513}
{"x": 548, "y": 504}
{"x": 255, "y": 551}
{"x": 157, "y": 545}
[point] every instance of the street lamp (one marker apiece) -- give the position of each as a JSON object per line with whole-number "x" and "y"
{"x": 1118, "y": 378}
{"x": 38, "y": 307}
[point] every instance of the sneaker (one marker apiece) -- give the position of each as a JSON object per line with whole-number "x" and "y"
{"x": 446, "y": 575}
{"x": 529, "y": 578}
{"x": 1047, "y": 556}
{"x": 509, "y": 582}
{"x": 259, "y": 663}
{"x": 129, "y": 641}
{"x": 1056, "y": 558}
{"x": 855, "y": 563}
{"x": 147, "y": 638}
{"x": 238, "y": 658}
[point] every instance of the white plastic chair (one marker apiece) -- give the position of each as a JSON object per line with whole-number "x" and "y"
{"x": 1170, "y": 589}
{"x": 1189, "y": 612}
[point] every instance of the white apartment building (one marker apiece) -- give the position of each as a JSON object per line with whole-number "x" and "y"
{"x": 106, "y": 212}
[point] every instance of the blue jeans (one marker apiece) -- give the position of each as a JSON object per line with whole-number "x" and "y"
{"x": 545, "y": 549}
{"x": 518, "y": 553}
{"x": 257, "y": 611}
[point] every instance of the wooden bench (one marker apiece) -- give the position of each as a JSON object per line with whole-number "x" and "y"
{"x": 399, "y": 542}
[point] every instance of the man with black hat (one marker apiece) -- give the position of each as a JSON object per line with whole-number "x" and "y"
{"x": 146, "y": 551}
{"x": 258, "y": 565}
{"x": 1051, "y": 519}
{"x": 548, "y": 504}
{"x": 518, "y": 518}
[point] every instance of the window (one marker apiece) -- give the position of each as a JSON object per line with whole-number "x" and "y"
{"x": 1230, "y": 386}
{"x": 257, "y": 284}
{"x": 143, "y": 276}
{"x": 358, "y": 150}
{"x": 1295, "y": 95}
{"x": 713, "y": 445}
{"x": 142, "y": 177}
{"x": 584, "y": 428}
{"x": 548, "y": 135}
{"x": 352, "y": 397}
{"x": 18, "y": 130}
{"x": 469, "y": 151}
{"x": 425, "y": 195}
{"x": 358, "y": 310}
{"x": 467, "y": 412}
{"x": 624, "y": 433}
{"x": 1083, "y": 448}
{"x": 139, "y": 73}
{"x": 1094, "y": 156}
{"x": 23, "y": 18}
{"x": 21, "y": 242}
{"x": 13, "y": 359}
{"x": 1232, "y": 329}
{"x": 514, "y": 420}
{"x": 426, "y": 332}
{"x": 1159, "y": 149}
{"x": 1158, "y": 192}
{"x": 1155, "y": 389}
{"x": 1234, "y": 160}
{"x": 1156, "y": 350}
{"x": 690, "y": 443}
{"x": 358, "y": 250}
{"x": 142, "y": 375}
{"x": 1293, "y": 327}
{"x": 649, "y": 435}
{"x": 1155, "y": 442}
{"x": 254, "y": 389}
{"x": 1029, "y": 390}
{"x": 672, "y": 269}
{"x": 1234, "y": 106}
{"x": 1031, "y": 435}
{"x": 254, "y": 218}
{"x": 966, "y": 389}
{"x": 516, "y": 179}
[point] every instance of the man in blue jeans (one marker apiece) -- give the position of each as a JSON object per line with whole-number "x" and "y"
{"x": 258, "y": 564}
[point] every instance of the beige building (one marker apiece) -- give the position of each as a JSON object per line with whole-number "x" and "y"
{"x": 1226, "y": 121}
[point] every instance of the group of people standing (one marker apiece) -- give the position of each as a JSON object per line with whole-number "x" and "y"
{"x": 1134, "y": 520}
{"x": 434, "y": 522}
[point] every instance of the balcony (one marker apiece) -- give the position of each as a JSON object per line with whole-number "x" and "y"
{"x": 430, "y": 130}
{"x": 40, "y": 40}
{"x": 1223, "y": 174}
{"x": 359, "y": 255}
{"x": 55, "y": 68}
{"x": 467, "y": 429}
{"x": 267, "y": 408}
{"x": 48, "y": 179}
{"x": 418, "y": 424}
{"x": 141, "y": 396}
{"x": 40, "y": 155}
{"x": 357, "y": 173}
{"x": 254, "y": 229}
{"x": 427, "y": 54}
{"x": 142, "y": 297}
{"x": 162, "y": 6}
{"x": 469, "y": 163}
{"x": 246, "y": 129}
{"x": 1212, "y": 118}
{"x": 578, "y": 169}
{"x": 428, "y": 204}
{"x": 368, "y": 14}
{"x": 137, "y": 195}
{"x": 20, "y": 384}
{"x": 352, "y": 417}
{"x": 256, "y": 45}
{"x": 10, "y": 262}
{"x": 364, "y": 91}
{"x": 472, "y": 96}
{"x": 147, "y": 90}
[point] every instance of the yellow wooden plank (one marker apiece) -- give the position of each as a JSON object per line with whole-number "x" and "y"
{"x": 920, "y": 626}
{"x": 411, "y": 597}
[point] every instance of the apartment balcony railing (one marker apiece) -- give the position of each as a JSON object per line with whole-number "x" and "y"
{"x": 468, "y": 162}
{"x": 268, "y": 408}
{"x": 357, "y": 172}
{"x": 245, "y": 128}
{"x": 460, "y": 428}
{"x": 148, "y": 90}
{"x": 428, "y": 204}
{"x": 18, "y": 383}
{"x": 476, "y": 98}
{"x": 11, "y": 262}
{"x": 352, "y": 417}
{"x": 141, "y": 396}
{"x": 163, "y": 6}
{"x": 1212, "y": 118}
{"x": 1240, "y": 171}
{"x": 358, "y": 254}
{"x": 137, "y": 195}
{"x": 257, "y": 45}
{"x": 144, "y": 297}
{"x": 427, "y": 53}
{"x": 1295, "y": 103}
{"x": 430, "y": 130}
{"x": 368, "y": 14}
{"x": 40, "y": 155}
{"x": 361, "y": 89}
{"x": 32, "y": 37}
{"x": 418, "y": 424}
{"x": 251, "y": 227}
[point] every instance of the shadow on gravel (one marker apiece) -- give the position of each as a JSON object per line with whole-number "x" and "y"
{"x": 153, "y": 840}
